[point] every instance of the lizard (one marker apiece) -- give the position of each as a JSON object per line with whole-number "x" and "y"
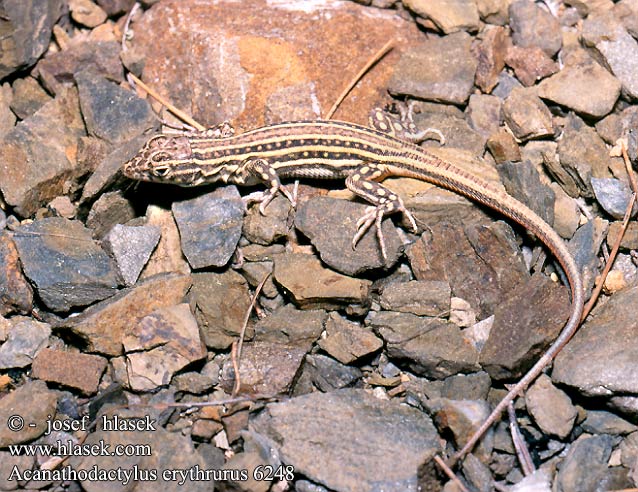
{"x": 363, "y": 156}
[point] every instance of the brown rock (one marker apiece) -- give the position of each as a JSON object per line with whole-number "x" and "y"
{"x": 58, "y": 366}
{"x": 530, "y": 64}
{"x": 491, "y": 57}
{"x": 449, "y": 16}
{"x": 104, "y": 325}
{"x": 16, "y": 295}
{"x": 85, "y": 12}
{"x": 503, "y": 147}
{"x": 346, "y": 341}
{"x": 527, "y": 116}
{"x": 314, "y": 47}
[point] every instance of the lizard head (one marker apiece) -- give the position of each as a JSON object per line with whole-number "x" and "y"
{"x": 159, "y": 160}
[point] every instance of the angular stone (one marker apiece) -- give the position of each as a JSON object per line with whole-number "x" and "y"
{"x": 503, "y": 147}
{"x": 131, "y": 247}
{"x": 369, "y": 445}
{"x": 268, "y": 228}
{"x": 526, "y": 115}
{"x": 523, "y": 182}
{"x": 420, "y": 297}
{"x": 313, "y": 286}
{"x": 85, "y": 12}
{"x": 484, "y": 113}
{"x": 27, "y": 27}
{"x": 160, "y": 344}
{"x": 265, "y": 368}
{"x": 24, "y": 339}
{"x": 430, "y": 347}
{"x": 84, "y": 272}
{"x": 616, "y": 125}
{"x": 28, "y": 97}
{"x": 221, "y": 303}
{"x": 521, "y": 332}
{"x": 348, "y": 342}
{"x": 586, "y": 464}
{"x": 21, "y": 402}
{"x": 108, "y": 211}
{"x": 551, "y": 408}
{"x": 613, "y": 195}
{"x": 210, "y": 226}
{"x": 530, "y": 64}
{"x": 533, "y": 26}
{"x": 440, "y": 69}
{"x": 583, "y": 86}
{"x": 39, "y": 155}
{"x": 491, "y": 57}
{"x": 16, "y": 295}
{"x": 61, "y": 367}
{"x": 291, "y": 326}
{"x": 598, "y": 360}
{"x": 325, "y": 374}
{"x": 602, "y": 422}
{"x": 330, "y": 224}
{"x": 449, "y": 16}
{"x": 103, "y": 326}
{"x": 111, "y": 112}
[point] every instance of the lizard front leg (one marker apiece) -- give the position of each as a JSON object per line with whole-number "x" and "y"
{"x": 259, "y": 170}
{"x": 363, "y": 181}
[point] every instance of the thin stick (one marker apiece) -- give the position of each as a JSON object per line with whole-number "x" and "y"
{"x": 177, "y": 112}
{"x": 519, "y": 443}
{"x": 377, "y": 56}
{"x": 447, "y": 470}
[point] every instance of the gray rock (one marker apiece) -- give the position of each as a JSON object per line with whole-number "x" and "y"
{"x": 613, "y": 195}
{"x": 457, "y": 15}
{"x": 83, "y": 272}
{"x": 131, "y": 248}
{"x": 107, "y": 211}
{"x": 348, "y": 440}
{"x": 523, "y": 181}
{"x": 27, "y": 32}
{"x": 506, "y": 84}
{"x": 550, "y": 407}
{"x": 270, "y": 227}
{"x": 440, "y": 69}
{"x": 430, "y": 347}
{"x": 617, "y": 47}
{"x": 420, "y": 297}
{"x": 484, "y": 113}
{"x": 533, "y": 26}
{"x": 25, "y": 338}
{"x": 602, "y": 422}
{"x": 598, "y": 360}
{"x": 111, "y": 112}
{"x": 210, "y": 226}
{"x": 585, "y": 465}
{"x": 292, "y": 326}
{"x": 330, "y": 224}
{"x": 325, "y": 374}
{"x": 348, "y": 342}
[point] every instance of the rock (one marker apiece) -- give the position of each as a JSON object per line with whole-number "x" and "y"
{"x": 533, "y": 26}
{"x": 550, "y": 407}
{"x": 338, "y": 456}
{"x": 27, "y": 31}
{"x": 28, "y": 97}
{"x": 602, "y": 422}
{"x": 484, "y": 113}
{"x": 523, "y": 182}
{"x": 289, "y": 325}
{"x": 420, "y": 297}
{"x": 582, "y": 86}
{"x": 330, "y": 224}
{"x": 629, "y": 239}
{"x": 10, "y": 462}
{"x": 506, "y": 84}
{"x": 521, "y": 332}
{"x": 7, "y": 117}
{"x": 598, "y": 360}
{"x": 268, "y": 228}
{"x": 16, "y": 295}
{"x": 348, "y": 342}
{"x": 613, "y": 195}
{"x": 116, "y": 7}
{"x": 39, "y": 155}
{"x": 107, "y": 212}
{"x": 131, "y": 247}
{"x": 440, "y": 69}
{"x": 566, "y": 212}
{"x": 210, "y": 226}
{"x": 617, "y": 125}
{"x": 110, "y": 112}
{"x": 617, "y": 47}
{"x": 457, "y": 131}
{"x": 491, "y": 57}
{"x": 503, "y": 147}
{"x": 25, "y": 338}
{"x": 430, "y": 347}
{"x": 585, "y": 464}
{"x": 265, "y": 368}
{"x": 325, "y": 374}
{"x": 526, "y": 115}
{"x": 312, "y": 286}
{"x": 21, "y": 403}
{"x": 84, "y": 272}
{"x": 161, "y": 344}
{"x": 61, "y": 367}
{"x": 102, "y": 327}
{"x": 448, "y": 16}
{"x": 530, "y": 64}
{"x": 85, "y": 12}
{"x": 221, "y": 303}
{"x": 193, "y": 382}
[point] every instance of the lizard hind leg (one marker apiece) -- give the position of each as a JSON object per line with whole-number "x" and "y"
{"x": 363, "y": 182}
